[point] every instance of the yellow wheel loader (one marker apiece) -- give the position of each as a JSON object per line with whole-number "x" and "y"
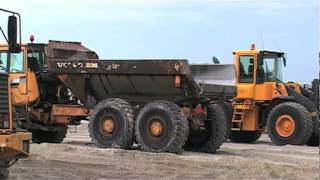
{"x": 14, "y": 142}
{"x": 265, "y": 103}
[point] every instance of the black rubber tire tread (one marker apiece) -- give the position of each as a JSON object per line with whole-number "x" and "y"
{"x": 179, "y": 123}
{"x": 217, "y": 134}
{"x": 39, "y": 136}
{"x": 244, "y": 136}
{"x": 4, "y": 171}
{"x": 314, "y": 139}
{"x": 125, "y": 140}
{"x": 229, "y": 114}
{"x": 217, "y": 116}
{"x": 304, "y": 124}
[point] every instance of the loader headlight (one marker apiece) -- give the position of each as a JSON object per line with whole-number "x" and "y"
{"x": 15, "y": 82}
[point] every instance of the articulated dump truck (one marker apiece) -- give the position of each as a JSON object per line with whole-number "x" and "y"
{"x": 162, "y": 105}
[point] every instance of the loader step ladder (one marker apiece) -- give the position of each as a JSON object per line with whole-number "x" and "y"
{"x": 237, "y": 120}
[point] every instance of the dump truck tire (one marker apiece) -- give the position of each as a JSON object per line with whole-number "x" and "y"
{"x": 111, "y": 124}
{"x": 229, "y": 114}
{"x": 244, "y": 136}
{"x": 161, "y": 127}
{"x": 289, "y": 123}
{"x": 4, "y": 173}
{"x": 4, "y": 170}
{"x": 215, "y": 133}
{"x": 58, "y": 136}
{"x": 39, "y": 136}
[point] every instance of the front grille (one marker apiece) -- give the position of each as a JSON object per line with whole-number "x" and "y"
{"x": 4, "y": 101}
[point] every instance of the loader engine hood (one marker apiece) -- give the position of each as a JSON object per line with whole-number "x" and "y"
{"x": 69, "y": 50}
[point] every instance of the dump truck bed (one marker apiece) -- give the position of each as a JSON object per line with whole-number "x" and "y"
{"x": 137, "y": 81}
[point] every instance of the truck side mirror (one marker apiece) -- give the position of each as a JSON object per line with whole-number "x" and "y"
{"x": 12, "y": 34}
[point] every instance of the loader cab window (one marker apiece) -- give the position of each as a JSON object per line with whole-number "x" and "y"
{"x": 36, "y": 61}
{"x": 16, "y": 62}
{"x": 246, "y": 69}
{"x": 270, "y": 68}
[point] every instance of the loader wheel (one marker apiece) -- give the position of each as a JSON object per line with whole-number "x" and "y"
{"x": 161, "y": 127}
{"x": 111, "y": 124}
{"x": 245, "y": 136}
{"x": 289, "y": 123}
{"x": 39, "y": 136}
{"x": 314, "y": 139}
{"x": 215, "y": 132}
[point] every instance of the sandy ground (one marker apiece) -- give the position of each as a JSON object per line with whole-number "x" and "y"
{"x": 77, "y": 158}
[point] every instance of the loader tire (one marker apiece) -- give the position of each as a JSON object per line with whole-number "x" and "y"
{"x": 289, "y": 123}
{"x": 314, "y": 139}
{"x": 111, "y": 124}
{"x": 215, "y": 133}
{"x": 39, "y": 136}
{"x": 161, "y": 127}
{"x": 245, "y": 136}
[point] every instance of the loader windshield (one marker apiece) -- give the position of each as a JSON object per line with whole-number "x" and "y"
{"x": 270, "y": 68}
{"x": 11, "y": 62}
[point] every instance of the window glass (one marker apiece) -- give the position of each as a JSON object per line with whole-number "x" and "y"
{"x": 36, "y": 61}
{"x": 246, "y": 69}
{"x": 16, "y": 60}
{"x": 270, "y": 69}
{"x": 278, "y": 68}
{"x": 3, "y": 62}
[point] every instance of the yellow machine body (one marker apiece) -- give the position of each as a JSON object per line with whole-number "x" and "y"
{"x": 250, "y": 92}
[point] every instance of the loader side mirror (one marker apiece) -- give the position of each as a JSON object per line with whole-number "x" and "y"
{"x": 284, "y": 61}
{"x": 215, "y": 60}
{"x": 12, "y": 34}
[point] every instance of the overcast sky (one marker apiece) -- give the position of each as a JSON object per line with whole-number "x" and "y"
{"x": 191, "y": 29}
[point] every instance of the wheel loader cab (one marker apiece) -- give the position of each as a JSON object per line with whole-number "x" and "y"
{"x": 258, "y": 73}
{"x": 37, "y": 58}
{"x": 24, "y": 88}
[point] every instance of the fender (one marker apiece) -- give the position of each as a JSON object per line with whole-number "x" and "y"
{"x": 299, "y": 98}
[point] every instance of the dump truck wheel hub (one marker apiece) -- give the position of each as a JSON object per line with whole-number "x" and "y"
{"x": 285, "y": 126}
{"x": 156, "y": 127}
{"x": 108, "y": 125}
